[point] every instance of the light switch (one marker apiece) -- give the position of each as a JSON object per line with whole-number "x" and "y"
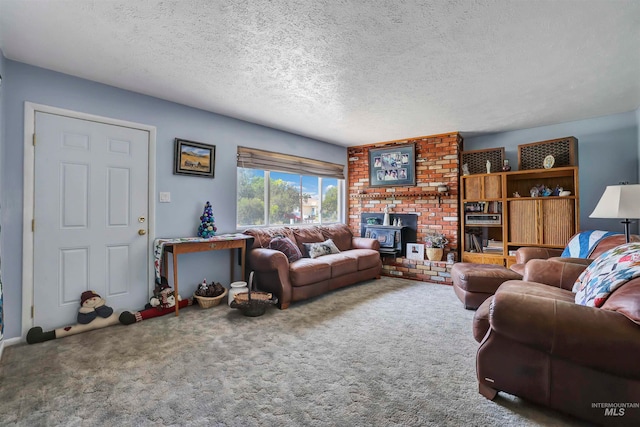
{"x": 165, "y": 197}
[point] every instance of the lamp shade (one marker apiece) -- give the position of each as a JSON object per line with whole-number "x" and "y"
{"x": 618, "y": 201}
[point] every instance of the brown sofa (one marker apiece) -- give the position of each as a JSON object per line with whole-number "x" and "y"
{"x": 538, "y": 344}
{"x": 305, "y": 278}
{"x": 524, "y": 254}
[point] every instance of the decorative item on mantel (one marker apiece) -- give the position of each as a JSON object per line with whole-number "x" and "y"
{"x": 207, "y": 226}
{"x": 506, "y": 167}
{"x": 488, "y": 166}
{"x": 435, "y": 243}
{"x": 386, "y": 216}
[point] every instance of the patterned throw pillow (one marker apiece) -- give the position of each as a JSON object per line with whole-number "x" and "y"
{"x": 323, "y": 248}
{"x": 607, "y": 273}
{"x": 287, "y": 247}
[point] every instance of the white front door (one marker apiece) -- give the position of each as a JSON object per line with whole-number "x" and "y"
{"x": 91, "y": 217}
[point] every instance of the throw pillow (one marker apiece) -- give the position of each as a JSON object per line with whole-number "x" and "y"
{"x": 323, "y": 248}
{"x": 287, "y": 247}
{"x": 607, "y": 273}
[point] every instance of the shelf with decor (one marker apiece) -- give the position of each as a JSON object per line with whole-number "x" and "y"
{"x": 401, "y": 195}
{"x": 506, "y": 210}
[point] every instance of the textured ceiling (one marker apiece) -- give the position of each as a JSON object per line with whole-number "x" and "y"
{"x": 346, "y": 71}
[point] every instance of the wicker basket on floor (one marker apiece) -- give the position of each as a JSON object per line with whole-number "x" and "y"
{"x": 208, "y": 302}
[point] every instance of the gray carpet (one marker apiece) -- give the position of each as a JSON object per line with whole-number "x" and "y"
{"x": 388, "y": 352}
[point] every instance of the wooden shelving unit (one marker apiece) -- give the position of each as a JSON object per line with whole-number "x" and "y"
{"x": 522, "y": 221}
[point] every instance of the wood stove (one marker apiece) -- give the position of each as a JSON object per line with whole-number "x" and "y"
{"x": 393, "y": 239}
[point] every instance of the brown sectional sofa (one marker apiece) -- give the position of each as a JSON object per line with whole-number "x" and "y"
{"x": 305, "y": 278}
{"x": 538, "y": 344}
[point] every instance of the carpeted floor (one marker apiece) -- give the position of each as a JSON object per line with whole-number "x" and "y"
{"x": 388, "y": 352}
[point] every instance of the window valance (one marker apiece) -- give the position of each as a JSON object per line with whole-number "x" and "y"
{"x": 268, "y": 160}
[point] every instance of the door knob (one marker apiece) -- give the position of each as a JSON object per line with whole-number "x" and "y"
{"x": 142, "y": 232}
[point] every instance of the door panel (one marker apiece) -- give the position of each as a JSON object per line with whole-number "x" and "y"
{"x": 91, "y": 186}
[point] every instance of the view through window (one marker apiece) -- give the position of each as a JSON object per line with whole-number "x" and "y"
{"x": 279, "y": 198}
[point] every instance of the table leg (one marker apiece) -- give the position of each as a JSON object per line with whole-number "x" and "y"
{"x": 243, "y": 252}
{"x": 232, "y": 278}
{"x": 175, "y": 279}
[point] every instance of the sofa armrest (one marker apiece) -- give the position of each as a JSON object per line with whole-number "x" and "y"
{"x": 272, "y": 270}
{"x": 600, "y": 339}
{"x": 553, "y": 273}
{"x": 263, "y": 259}
{"x": 524, "y": 254}
{"x": 365, "y": 243}
{"x": 583, "y": 261}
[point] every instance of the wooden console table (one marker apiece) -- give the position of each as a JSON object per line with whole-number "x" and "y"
{"x": 196, "y": 244}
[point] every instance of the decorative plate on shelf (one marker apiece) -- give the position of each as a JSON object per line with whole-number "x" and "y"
{"x": 548, "y": 162}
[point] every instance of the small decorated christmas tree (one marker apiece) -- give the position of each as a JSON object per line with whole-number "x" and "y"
{"x": 207, "y": 223}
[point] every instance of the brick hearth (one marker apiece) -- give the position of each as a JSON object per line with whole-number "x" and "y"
{"x": 436, "y": 164}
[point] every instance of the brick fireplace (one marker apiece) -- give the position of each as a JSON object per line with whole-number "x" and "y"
{"x": 436, "y": 165}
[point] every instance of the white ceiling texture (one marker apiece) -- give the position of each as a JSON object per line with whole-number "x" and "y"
{"x": 345, "y": 71}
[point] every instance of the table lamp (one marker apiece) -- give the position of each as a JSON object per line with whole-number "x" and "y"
{"x": 619, "y": 201}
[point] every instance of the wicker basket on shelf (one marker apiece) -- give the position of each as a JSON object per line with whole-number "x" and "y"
{"x": 208, "y": 302}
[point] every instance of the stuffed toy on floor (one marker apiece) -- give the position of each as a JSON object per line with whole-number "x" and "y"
{"x": 162, "y": 302}
{"x": 93, "y": 314}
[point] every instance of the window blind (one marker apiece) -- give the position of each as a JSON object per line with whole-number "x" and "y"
{"x": 268, "y": 160}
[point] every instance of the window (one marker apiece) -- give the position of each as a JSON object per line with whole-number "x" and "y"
{"x": 267, "y": 196}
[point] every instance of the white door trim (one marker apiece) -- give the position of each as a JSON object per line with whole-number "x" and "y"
{"x": 30, "y": 110}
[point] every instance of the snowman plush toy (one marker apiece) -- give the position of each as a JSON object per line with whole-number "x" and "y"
{"x": 92, "y": 306}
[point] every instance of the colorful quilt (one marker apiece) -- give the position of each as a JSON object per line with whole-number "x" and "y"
{"x": 611, "y": 270}
{"x": 582, "y": 244}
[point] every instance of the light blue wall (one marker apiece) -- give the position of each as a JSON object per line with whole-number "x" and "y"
{"x": 188, "y": 194}
{"x": 3, "y": 84}
{"x": 608, "y": 150}
{"x": 638, "y": 127}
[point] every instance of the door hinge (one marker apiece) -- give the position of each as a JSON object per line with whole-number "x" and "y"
{"x": 33, "y": 225}
{"x": 34, "y": 139}
{"x": 32, "y": 311}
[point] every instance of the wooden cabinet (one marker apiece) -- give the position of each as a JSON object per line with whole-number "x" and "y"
{"x": 499, "y": 213}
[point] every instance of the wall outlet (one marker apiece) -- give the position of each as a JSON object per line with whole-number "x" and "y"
{"x": 165, "y": 197}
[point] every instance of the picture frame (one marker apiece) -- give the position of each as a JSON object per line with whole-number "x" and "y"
{"x": 194, "y": 158}
{"x": 415, "y": 251}
{"x": 392, "y": 167}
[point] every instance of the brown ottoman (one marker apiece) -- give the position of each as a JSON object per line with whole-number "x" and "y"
{"x": 474, "y": 283}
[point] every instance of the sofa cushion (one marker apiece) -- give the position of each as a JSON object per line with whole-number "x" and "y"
{"x": 304, "y": 235}
{"x": 307, "y": 270}
{"x": 341, "y": 263}
{"x": 367, "y": 258}
{"x": 315, "y": 250}
{"x": 287, "y": 247}
{"x": 607, "y": 273}
{"x": 339, "y": 233}
{"x": 262, "y": 236}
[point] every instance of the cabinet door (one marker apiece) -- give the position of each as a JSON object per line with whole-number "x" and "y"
{"x": 522, "y": 222}
{"x": 557, "y": 220}
{"x": 541, "y": 221}
{"x": 493, "y": 186}
{"x": 483, "y": 187}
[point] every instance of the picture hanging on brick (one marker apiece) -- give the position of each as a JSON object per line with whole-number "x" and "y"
{"x": 207, "y": 226}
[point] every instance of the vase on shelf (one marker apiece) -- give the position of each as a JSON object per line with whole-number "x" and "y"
{"x": 435, "y": 254}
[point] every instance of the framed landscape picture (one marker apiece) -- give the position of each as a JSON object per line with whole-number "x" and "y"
{"x": 194, "y": 158}
{"x": 395, "y": 166}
